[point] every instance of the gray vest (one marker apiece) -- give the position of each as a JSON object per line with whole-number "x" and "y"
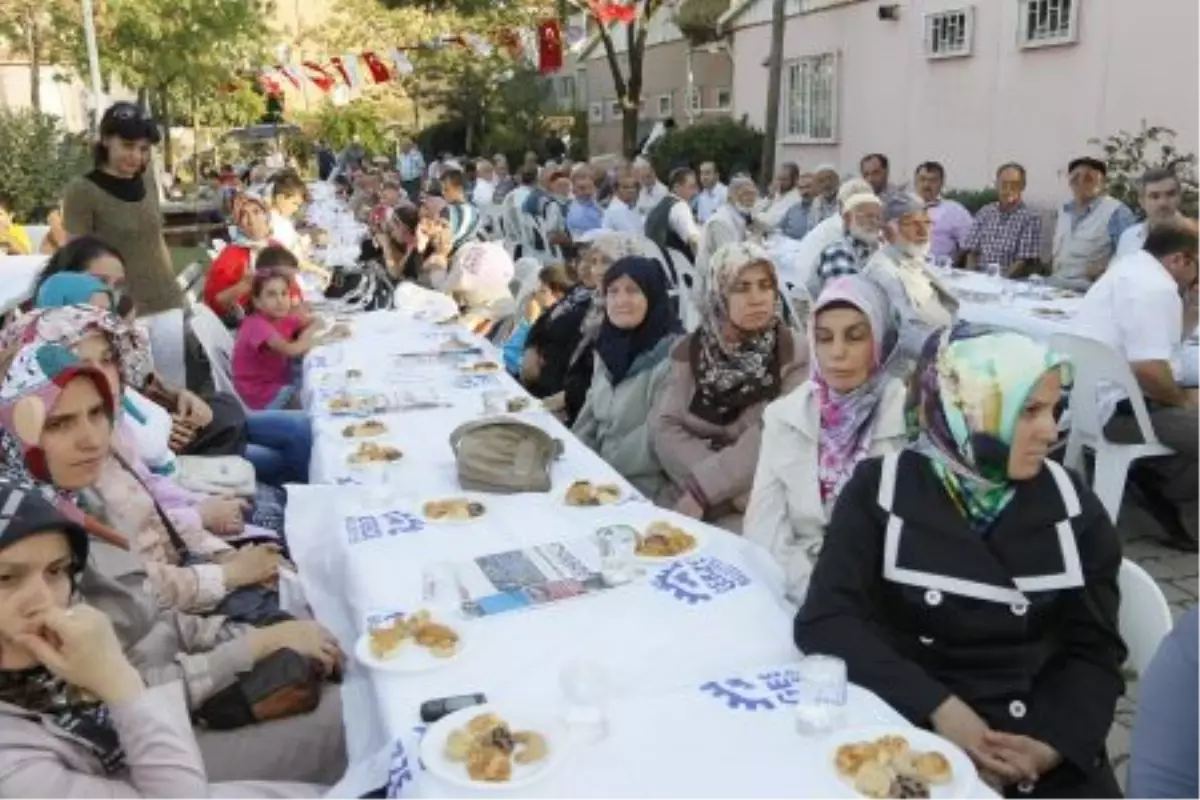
{"x": 1075, "y": 247}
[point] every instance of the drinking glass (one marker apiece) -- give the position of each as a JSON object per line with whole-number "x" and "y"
{"x": 618, "y": 549}
{"x": 995, "y": 273}
{"x": 585, "y": 686}
{"x": 821, "y": 698}
{"x": 440, "y": 591}
{"x": 494, "y": 401}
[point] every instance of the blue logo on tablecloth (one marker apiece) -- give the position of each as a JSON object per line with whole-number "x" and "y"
{"x": 376, "y": 526}
{"x": 475, "y": 381}
{"x": 699, "y": 580}
{"x": 399, "y": 772}
{"x": 766, "y": 691}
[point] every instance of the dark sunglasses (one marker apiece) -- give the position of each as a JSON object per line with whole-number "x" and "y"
{"x": 126, "y": 112}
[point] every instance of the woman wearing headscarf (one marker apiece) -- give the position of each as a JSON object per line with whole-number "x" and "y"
{"x": 558, "y": 357}
{"x": 479, "y": 280}
{"x": 189, "y": 568}
{"x": 971, "y": 582}
{"x": 57, "y": 422}
{"x": 849, "y": 410}
{"x": 77, "y": 719}
{"x": 631, "y": 364}
{"x": 707, "y": 423}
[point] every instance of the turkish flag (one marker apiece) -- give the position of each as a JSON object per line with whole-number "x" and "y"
{"x": 379, "y": 71}
{"x": 319, "y": 76}
{"x": 550, "y": 47}
{"x": 341, "y": 68}
{"x": 610, "y": 11}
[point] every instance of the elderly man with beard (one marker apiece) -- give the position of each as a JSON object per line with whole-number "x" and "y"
{"x": 901, "y": 270}
{"x": 862, "y": 215}
{"x": 729, "y": 224}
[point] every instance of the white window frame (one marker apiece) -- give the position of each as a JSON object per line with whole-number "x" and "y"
{"x": 939, "y": 25}
{"x": 727, "y": 93}
{"x": 615, "y": 110}
{"x": 797, "y": 127}
{"x": 1050, "y": 38}
{"x": 669, "y": 99}
{"x": 596, "y": 113}
{"x": 696, "y": 99}
{"x": 642, "y": 106}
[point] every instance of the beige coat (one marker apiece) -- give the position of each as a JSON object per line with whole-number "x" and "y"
{"x": 786, "y": 514}
{"x": 719, "y": 459}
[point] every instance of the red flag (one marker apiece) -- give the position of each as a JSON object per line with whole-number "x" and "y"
{"x": 287, "y": 73}
{"x": 341, "y": 68}
{"x": 319, "y": 76}
{"x": 610, "y": 11}
{"x": 270, "y": 86}
{"x": 379, "y": 70}
{"x": 550, "y": 49}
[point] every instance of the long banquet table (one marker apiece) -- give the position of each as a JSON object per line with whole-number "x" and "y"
{"x": 697, "y": 658}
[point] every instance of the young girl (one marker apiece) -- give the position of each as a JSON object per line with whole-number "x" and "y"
{"x": 267, "y": 341}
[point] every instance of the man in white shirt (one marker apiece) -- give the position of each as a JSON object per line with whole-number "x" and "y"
{"x": 727, "y": 225}
{"x": 653, "y": 191}
{"x": 712, "y": 192}
{"x": 485, "y": 186}
{"x": 622, "y": 215}
{"x": 1159, "y": 195}
{"x": 786, "y": 194}
{"x": 1136, "y": 307}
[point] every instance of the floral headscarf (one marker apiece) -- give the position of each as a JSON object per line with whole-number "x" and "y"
{"x": 847, "y": 419}
{"x": 32, "y": 385}
{"x": 734, "y": 369}
{"x": 69, "y": 325}
{"x": 974, "y": 382}
{"x": 237, "y": 208}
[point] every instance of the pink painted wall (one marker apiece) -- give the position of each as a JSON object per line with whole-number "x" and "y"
{"x": 1134, "y": 60}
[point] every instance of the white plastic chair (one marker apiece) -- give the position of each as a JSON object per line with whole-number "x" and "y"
{"x": 1144, "y": 618}
{"x": 685, "y": 282}
{"x": 1096, "y": 364}
{"x": 217, "y": 342}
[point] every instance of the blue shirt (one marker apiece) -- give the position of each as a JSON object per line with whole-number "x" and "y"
{"x": 795, "y": 222}
{"x": 514, "y": 348}
{"x": 584, "y": 216}
{"x": 1165, "y": 739}
{"x": 533, "y": 203}
{"x": 1121, "y": 219}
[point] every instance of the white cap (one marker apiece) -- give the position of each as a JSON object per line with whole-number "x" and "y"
{"x": 852, "y": 187}
{"x": 861, "y": 199}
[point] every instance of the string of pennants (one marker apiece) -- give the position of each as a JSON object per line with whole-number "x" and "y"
{"x": 373, "y": 66}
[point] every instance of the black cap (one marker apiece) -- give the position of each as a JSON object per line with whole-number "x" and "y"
{"x": 25, "y": 511}
{"x": 129, "y": 122}
{"x": 1091, "y": 163}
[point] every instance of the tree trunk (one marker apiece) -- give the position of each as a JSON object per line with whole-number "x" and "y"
{"x": 774, "y": 89}
{"x": 629, "y": 129}
{"x": 165, "y": 121}
{"x": 33, "y": 43}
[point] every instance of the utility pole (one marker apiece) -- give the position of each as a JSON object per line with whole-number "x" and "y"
{"x": 774, "y": 89}
{"x": 89, "y": 31}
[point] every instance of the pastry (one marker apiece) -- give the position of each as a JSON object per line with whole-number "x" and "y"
{"x": 873, "y": 780}
{"x": 933, "y": 767}
{"x": 365, "y": 429}
{"x": 386, "y": 640}
{"x": 664, "y": 540}
{"x": 440, "y": 640}
{"x": 341, "y": 403}
{"x": 585, "y": 493}
{"x": 373, "y": 453}
{"x": 489, "y": 748}
{"x": 489, "y": 764}
{"x": 482, "y": 366}
{"x": 890, "y": 747}
{"x": 904, "y": 786}
{"x": 849, "y": 757}
{"x": 456, "y": 509}
{"x": 483, "y": 723}
{"x": 458, "y": 745}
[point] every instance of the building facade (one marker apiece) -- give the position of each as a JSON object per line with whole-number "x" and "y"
{"x": 667, "y": 89}
{"x": 969, "y": 83}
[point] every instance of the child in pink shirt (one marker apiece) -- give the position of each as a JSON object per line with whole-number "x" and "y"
{"x": 267, "y": 341}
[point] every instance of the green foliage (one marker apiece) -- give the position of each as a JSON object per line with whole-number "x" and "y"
{"x": 733, "y": 146}
{"x": 972, "y": 199}
{"x": 338, "y": 125}
{"x": 40, "y": 158}
{"x": 697, "y": 20}
{"x": 1129, "y": 155}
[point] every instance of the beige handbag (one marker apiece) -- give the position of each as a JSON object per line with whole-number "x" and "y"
{"x": 504, "y": 456}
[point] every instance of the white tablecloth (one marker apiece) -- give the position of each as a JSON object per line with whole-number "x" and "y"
{"x": 668, "y": 644}
{"x": 1041, "y": 312}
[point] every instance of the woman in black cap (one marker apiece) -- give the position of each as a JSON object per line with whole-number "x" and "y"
{"x": 118, "y": 201}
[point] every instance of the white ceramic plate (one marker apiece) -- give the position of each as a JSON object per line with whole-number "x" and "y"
{"x": 411, "y": 658}
{"x": 963, "y": 774}
{"x": 433, "y": 748}
{"x": 697, "y": 534}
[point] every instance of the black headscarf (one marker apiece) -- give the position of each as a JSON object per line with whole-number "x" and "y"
{"x": 619, "y": 348}
{"x": 25, "y": 511}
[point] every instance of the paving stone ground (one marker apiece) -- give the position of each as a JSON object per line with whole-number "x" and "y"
{"x": 1176, "y": 574}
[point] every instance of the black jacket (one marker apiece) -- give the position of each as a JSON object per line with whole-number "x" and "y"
{"x": 1020, "y": 623}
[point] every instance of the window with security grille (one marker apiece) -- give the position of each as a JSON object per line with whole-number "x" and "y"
{"x": 1048, "y": 22}
{"x": 811, "y": 102}
{"x": 948, "y": 34}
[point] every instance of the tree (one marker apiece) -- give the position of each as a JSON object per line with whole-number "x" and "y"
{"x": 175, "y": 50}
{"x": 30, "y": 27}
{"x": 774, "y": 89}
{"x": 40, "y": 159}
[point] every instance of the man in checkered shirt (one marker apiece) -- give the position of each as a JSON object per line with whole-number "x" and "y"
{"x": 1006, "y": 232}
{"x": 862, "y": 215}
